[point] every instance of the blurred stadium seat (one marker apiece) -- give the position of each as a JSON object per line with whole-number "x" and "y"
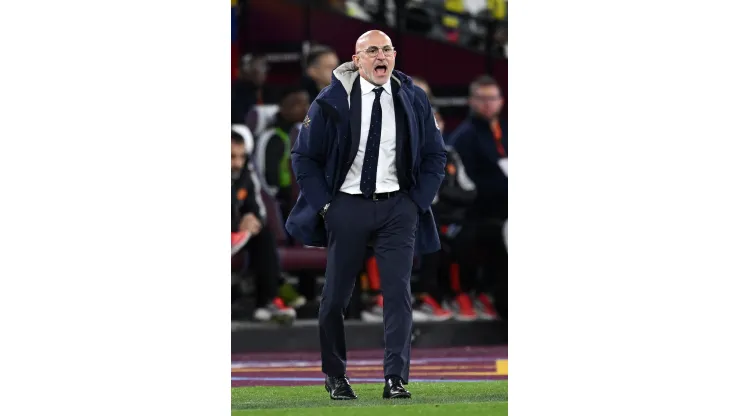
{"x": 293, "y": 258}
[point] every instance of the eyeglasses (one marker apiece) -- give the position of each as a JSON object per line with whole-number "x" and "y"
{"x": 373, "y": 51}
{"x": 487, "y": 97}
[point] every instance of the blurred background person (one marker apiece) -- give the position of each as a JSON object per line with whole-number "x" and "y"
{"x": 482, "y": 143}
{"x": 445, "y": 292}
{"x": 274, "y": 145}
{"x": 424, "y": 85}
{"x": 449, "y": 206}
{"x": 320, "y": 62}
{"x": 259, "y": 255}
{"x": 250, "y": 89}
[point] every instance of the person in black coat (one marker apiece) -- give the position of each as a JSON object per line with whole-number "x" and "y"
{"x": 456, "y": 194}
{"x": 482, "y": 143}
{"x": 250, "y": 89}
{"x": 320, "y": 63}
{"x": 248, "y": 215}
{"x": 272, "y": 154}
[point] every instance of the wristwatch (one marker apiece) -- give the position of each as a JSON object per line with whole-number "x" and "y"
{"x": 323, "y": 210}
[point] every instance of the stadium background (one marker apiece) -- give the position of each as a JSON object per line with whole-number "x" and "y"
{"x": 285, "y": 29}
{"x": 448, "y": 43}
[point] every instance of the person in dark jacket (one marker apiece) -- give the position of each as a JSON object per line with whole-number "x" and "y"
{"x": 248, "y": 214}
{"x": 320, "y": 63}
{"x": 272, "y": 156}
{"x": 424, "y": 85}
{"x": 482, "y": 144}
{"x": 455, "y": 195}
{"x": 250, "y": 89}
{"x": 369, "y": 160}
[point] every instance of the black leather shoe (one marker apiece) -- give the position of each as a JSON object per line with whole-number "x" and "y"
{"x": 339, "y": 388}
{"x": 394, "y": 389}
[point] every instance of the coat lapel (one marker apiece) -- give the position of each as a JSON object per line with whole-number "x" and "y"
{"x": 336, "y": 97}
{"x": 335, "y": 103}
{"x": 411, "y": 121}
{"x": 355, "y": 118}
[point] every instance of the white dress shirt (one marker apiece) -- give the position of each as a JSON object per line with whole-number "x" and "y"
{"x": 386, "y": 179}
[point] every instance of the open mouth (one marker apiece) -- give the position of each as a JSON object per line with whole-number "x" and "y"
{"x": 380, "y": 70}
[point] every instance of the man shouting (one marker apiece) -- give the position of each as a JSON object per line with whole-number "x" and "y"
{"x": 369, "y": 160}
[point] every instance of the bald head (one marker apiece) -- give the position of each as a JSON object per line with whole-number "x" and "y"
{"x": 375, "y": 57}
{"x": 372, "y": 37}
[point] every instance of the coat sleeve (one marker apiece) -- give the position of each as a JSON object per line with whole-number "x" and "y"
{"x": 432, "y": 165}
{"x": 252, "y": 203}
{"x": 466, "y": 146}
{"x": 309, "y": 159}
{"x": 464, "y": 192}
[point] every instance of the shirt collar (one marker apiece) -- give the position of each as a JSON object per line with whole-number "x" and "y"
{"x": 366, "y": 87}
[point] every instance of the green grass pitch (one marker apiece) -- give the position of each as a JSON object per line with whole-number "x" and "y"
{"x": 488, "y": 398}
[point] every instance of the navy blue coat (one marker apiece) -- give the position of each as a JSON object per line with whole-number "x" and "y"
{"x": 474, "y": 142}
{"x": 323, "y": 145}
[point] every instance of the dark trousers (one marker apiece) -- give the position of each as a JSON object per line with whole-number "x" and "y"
{"x": 460, "y": 248}
{"x": 388, "y": 226}
{"x": 433, "y": 275}
{"x": 481, "y": 254}
{"x": 263, "y": 261}
{"x": 481, "y": 247}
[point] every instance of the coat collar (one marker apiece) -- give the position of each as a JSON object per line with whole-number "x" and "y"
{"x": 366, "y": 87}
{"x": 344, "y": 77}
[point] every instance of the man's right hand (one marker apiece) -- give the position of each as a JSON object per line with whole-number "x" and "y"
{"x": 250, "y": 223}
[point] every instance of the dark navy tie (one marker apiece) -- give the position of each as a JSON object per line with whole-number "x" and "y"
{"x": 372, "y": 148}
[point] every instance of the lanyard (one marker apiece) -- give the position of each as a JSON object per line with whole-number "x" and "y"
{"x": 497, "y": 137}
